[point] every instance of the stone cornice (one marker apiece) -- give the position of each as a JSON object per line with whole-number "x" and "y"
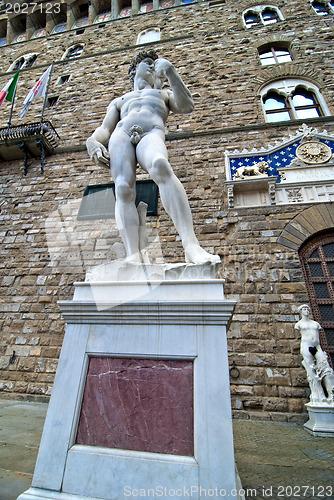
{"x": 139, "y": 313}
{"x": 221, "y": 131}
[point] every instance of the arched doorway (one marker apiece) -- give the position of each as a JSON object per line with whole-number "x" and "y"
{"x": 317, "y": 259}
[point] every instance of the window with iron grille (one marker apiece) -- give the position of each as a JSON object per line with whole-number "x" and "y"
{"x": 317, "y": 259}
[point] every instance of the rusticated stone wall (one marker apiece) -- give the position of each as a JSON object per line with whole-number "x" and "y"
{"x": 44, "y": 248}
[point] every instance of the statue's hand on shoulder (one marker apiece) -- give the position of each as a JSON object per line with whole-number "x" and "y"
{"x": 97, "y": 152}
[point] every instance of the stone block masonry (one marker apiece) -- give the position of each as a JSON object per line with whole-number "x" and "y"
{"x": 44, "y": 248}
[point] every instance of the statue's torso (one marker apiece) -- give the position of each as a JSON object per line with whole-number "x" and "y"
{"x": 309, "y": 330}
{"x": 146, "y": 108}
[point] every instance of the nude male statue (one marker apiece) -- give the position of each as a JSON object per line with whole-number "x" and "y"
{"x": 135, "y": 128}
{"x": 314, "y": 359}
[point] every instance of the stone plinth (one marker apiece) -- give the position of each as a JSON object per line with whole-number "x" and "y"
{"x": 141, "y": 400}
{"x": 321, "y": 420}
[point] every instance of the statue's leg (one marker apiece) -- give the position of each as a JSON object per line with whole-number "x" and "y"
{"x": 123, "y": 170}
{"x": 326, "y": 371}
{"x": 317, "y": 394}
{"x": 153, "y": 157}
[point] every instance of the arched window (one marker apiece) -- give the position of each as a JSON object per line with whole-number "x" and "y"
{"x": 323, "y": 8}
{"x": 262, "y": 15}
{"x": 274, "y": 54}
{"x": 29, "y": 62}
{"x": 73, "y": 52}
{"x": 18, "y": 64}
{"x": 269, "y": 16}
{"x": 317, "y": 259}
{"x": 149, "y": 35}
{"x": 292, "y": 100}
{"x": 276, "y": 107}
{"x": 252, "y": 18}
{"x": 305, "y": 103}
{"x": 23, "y": 62}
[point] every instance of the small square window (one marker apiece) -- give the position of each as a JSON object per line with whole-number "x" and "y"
{"x": 63, "y": 79}
{"x": 274, "y": 55}
{"x": 51, "y": 101}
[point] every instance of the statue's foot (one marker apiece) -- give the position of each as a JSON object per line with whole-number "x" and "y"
{"x": 195, "y": 254}
{"x": 135, "y": 257}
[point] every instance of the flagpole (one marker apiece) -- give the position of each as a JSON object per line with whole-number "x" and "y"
{"x": 11, "y": 112}
{"x": 46, "y": 95}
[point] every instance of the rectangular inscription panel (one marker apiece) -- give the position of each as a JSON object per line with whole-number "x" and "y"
{"x": 138, "y": 404}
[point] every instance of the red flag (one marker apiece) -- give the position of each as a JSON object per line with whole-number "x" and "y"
{"x": 38, "y": 89}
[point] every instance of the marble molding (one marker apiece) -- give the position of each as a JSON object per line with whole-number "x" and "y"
{"x": 121, "y": 270}
{"x": 138, "y": 404}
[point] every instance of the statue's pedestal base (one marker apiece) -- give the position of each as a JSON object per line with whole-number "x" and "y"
{"x": 321, "y": 420}
{"x": 141, "y": 400}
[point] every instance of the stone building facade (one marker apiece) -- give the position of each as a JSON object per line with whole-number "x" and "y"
{"x": 261, "y": 75}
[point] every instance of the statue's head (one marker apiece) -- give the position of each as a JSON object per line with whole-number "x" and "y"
{"x": 304, "y": 306}
{"x": 143, "y": 54}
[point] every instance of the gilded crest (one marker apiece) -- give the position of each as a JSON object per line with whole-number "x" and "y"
{"x": 314, "y": 152}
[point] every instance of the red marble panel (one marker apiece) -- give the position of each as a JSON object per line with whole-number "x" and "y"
{"x": 138, "y": 404}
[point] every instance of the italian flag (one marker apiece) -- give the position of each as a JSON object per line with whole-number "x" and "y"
{"x": 8, "y": 92}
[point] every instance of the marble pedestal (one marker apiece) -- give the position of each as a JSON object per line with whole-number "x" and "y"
{"x": 321, "y": 420}
{"x": 172, "y": 331}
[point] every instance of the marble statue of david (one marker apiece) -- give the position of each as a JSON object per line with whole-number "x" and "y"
{"x": 134, "y": 128}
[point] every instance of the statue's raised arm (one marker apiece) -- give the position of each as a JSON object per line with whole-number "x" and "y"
{"x": 180, "y": 100}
